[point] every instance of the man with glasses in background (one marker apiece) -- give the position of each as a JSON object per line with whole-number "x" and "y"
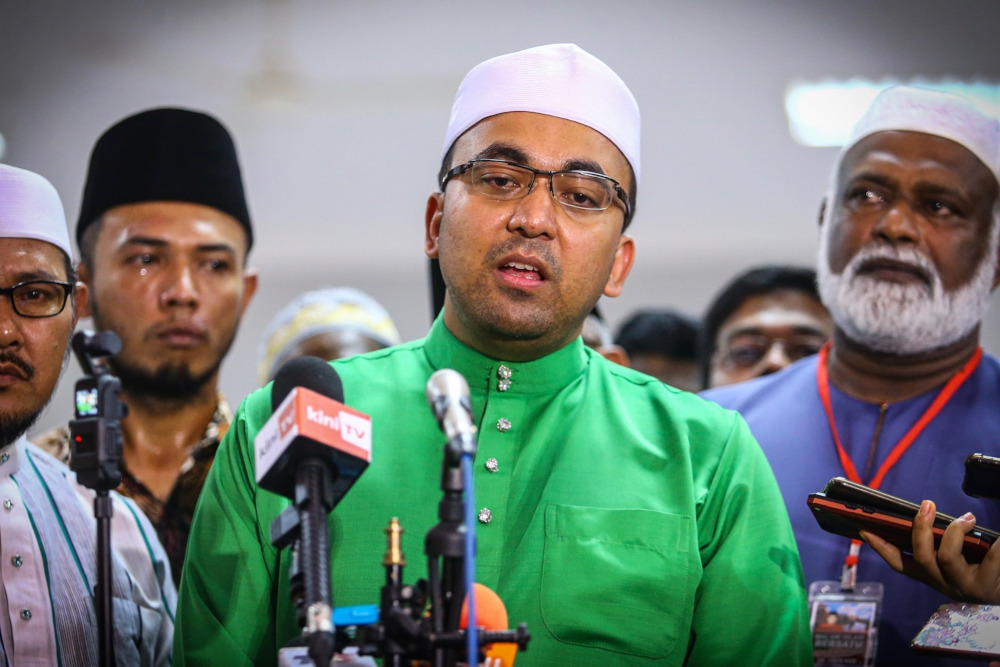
{"x": 47, "y": 530}
{"x": 765, "y": 319}
{"x": 626, "y": 522}
{"x": 908, "y": 258}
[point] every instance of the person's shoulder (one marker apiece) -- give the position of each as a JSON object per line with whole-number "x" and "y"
{"x": 54, "y": 442}
{"x": 641, "y": 389}
{"x": 389, "y": 365}
{"x": 40, "y": 458}
{"x": 775, "y": 388}
{"x": 395, "y": 353}
{"x": 990, "y": 364}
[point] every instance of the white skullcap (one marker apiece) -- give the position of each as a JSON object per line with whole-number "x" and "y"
{"x": 932, "y": 112}
{"x": 329, "y": 309}
{"x": 560, "y": 80}
{"x": 30, "y": 208}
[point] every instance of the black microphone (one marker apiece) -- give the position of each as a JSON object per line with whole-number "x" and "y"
{"x": 311, "y": 450}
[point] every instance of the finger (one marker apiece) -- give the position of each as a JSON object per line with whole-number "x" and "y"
{"x": 955, "y": 569}
{"x": 922, "y": 536}
{"x": 989, "y": 574}
{"x": 889, "y": 553}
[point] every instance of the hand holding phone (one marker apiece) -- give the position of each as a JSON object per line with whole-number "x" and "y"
{"x": 845, "y": 508}
{"x": 949, "y": 555}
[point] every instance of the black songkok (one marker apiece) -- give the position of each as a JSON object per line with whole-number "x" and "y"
{"x": 164, "y": 155}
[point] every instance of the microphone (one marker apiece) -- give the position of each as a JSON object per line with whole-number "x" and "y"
{"x": 310, "y": 420}
{"x": 448, "y": 396}
{"x": 311, "y": 450}
{"x": 491, "y": 614}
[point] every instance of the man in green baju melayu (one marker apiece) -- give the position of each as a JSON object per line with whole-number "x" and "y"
{"x": 626, "y": 522}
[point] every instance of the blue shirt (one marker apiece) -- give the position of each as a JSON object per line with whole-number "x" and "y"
{"x": 787, "y": 418}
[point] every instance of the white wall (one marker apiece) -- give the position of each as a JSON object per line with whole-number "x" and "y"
{"x": 339, "y": 110}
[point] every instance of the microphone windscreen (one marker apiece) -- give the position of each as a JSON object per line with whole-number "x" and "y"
{"x": 309, "y": 373}
{"x": 490, "y": 610}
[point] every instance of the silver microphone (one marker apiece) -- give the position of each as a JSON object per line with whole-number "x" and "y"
{"x": 448, "y": 396}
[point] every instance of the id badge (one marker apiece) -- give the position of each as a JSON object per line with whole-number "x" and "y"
{"x": 844, "y": 624}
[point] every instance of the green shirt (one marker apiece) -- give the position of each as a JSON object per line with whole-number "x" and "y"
{"x": 632, "y": 524}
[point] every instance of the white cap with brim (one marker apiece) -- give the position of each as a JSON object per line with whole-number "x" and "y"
{"x": 560, "y": 80}
{"x": 905, "y": 108}
{"x": 30, "y": 208}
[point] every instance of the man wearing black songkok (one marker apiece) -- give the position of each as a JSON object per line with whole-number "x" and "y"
{"x": 164, "y": 232}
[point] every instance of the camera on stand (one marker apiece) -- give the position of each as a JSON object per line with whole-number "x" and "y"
{"x": 95, "y": 440}
{"x": 96, "y": 432}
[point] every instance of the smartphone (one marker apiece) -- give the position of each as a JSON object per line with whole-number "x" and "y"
{"x": 844, "y": 508}
{"x": 982, "y": 476}
{"x": 960, "y": 630}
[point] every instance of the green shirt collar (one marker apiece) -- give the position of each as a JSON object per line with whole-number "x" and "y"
{"x": 546, "y": 375}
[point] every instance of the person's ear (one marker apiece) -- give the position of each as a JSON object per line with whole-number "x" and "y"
{"x": 615, "y": 353}
{"x": 624, "y": 258}
{"x": 432, "y": 224}
{"x": 81, "y": 301}
{"x": 84, "y": 277}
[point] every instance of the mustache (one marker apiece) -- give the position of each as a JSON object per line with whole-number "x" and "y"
{"x": 907, "y": 256}
{"x": 528, "y": 246}
{"x": 24, "y": 366}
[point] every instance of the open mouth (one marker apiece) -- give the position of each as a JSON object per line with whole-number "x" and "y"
{"x": 522, "y": 271}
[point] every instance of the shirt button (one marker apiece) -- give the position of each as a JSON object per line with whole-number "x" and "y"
{"x": 16, "y": 560}
{"x": 8, "y": 504}
{"x": 492, "y": 465}
{"x": 503, "y": 425}
{"x": 504, "y": 373}
{"x": 485, "y": 515}
{"x": 26, "y": 614}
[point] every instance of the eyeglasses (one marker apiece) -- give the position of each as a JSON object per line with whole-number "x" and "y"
{"x": 577, "y": 190}
{"x": 746, "y": 350}
{"x": 38, "y": 298}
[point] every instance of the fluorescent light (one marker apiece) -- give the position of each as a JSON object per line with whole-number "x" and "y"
{"x": 823, "y": 114}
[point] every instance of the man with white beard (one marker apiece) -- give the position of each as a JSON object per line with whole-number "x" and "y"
{"x": 903, "y": 393}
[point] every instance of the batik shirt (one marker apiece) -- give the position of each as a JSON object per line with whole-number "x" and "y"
{"x": 171, "y": 519}
{"x": 48, "y": 571}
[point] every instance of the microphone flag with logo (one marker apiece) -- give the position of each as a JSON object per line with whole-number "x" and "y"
{"x": 310, "y": 420}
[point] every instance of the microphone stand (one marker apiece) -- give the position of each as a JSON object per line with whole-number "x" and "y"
{"x": 303, "y": 526}
{"x": 403, "y": 633}
{"x": 444, "y": 545}
{"x": 96, "y": 449}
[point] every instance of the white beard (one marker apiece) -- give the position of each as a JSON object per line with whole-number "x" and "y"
{"x": 901, "y": 318}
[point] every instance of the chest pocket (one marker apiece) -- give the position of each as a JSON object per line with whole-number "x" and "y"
{"x": 619, "y": 579}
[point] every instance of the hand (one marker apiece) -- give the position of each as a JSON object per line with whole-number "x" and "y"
{"x": 946, "y": 569}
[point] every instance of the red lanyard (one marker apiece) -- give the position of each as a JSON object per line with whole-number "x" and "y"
{"x": 848, "y": 576}
{"x": 949, "y": 389}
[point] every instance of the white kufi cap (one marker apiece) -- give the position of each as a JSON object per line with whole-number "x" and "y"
{"x": 903, "y": 108}
{"x": 30, "y": 208}
{"x": 560, "y": 80}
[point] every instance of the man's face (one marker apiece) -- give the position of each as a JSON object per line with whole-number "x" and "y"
{"x": 766, "y": 333}
{"x": 169, "y": 279}
{"x": 32, "y": 350}
{"x": 523, "y": 274}
{"x": 908, "y": 253}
